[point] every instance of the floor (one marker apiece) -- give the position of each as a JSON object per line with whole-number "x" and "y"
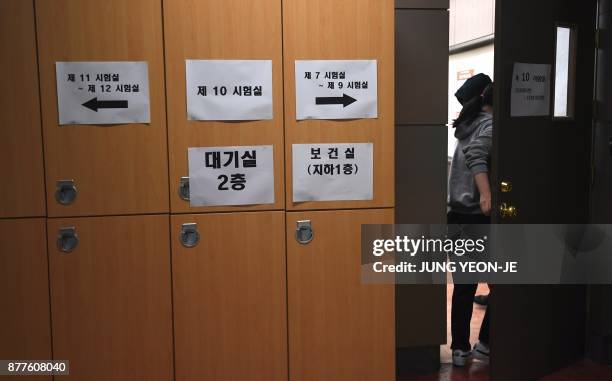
{"x": 583, "y": 371}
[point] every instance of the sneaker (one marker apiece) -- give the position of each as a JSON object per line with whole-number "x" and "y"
{"x": 460, "y": 358}
{"x": 481, "y": 352}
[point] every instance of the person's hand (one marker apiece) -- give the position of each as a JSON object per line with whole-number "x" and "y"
{"x": 485, "y": 204}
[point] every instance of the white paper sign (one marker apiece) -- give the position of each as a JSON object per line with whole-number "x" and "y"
{"x": 530, "y": 90}
{"x": 229, "y": 90}
{"x": 102, "y": 92}
{"x": 333, "y": 172}
{"x": 241, "y": 175}
{"x": 336, "y": 89}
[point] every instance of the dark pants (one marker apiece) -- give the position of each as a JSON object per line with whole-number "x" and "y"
{"x": 463, "y": 297}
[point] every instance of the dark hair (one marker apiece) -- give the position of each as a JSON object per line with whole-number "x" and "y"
{"x": 473, "y": 107}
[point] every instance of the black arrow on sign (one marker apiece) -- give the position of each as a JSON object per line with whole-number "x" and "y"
{"x": 344, "y": 100}
{"x": 94, "y": 104}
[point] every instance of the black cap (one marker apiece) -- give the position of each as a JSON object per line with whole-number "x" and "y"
{"x": 473, "y": 87}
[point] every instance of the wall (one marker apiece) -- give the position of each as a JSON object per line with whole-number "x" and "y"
{"x": 471, "y": 20}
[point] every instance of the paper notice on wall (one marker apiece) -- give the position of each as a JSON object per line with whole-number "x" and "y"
{"x": 242, "y": 175}
{"x": 102, "y": 92}
{"x": 336, "y": 89}
{"x": 530, "y": 90}
{"x": 229, "y": 90}
{"x": 333, "y": 172}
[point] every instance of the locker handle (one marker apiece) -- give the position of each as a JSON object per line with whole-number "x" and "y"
{"x": 184, "y": 188}
{"x": 67, "y": 239}
{"x": 304, "y": 233}
{"x": 190, "y": 236}
{"x": 65, "y": 192}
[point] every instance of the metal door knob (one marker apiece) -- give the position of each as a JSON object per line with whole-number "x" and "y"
{"x": 303, "y": 233}
{"x": 65, "y": 192}
{"x": 184, "y": 188}
{"x": 190, "y": 236}
{"x": 506, "y": 187}
{"x": 507, "y": 211}
{"x": 67, "y": 239}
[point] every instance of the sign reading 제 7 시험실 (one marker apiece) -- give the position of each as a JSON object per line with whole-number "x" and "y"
{"x": 229, "y": 89}
{"x": 103, "y": 92}
{"x": 336, "y": 89}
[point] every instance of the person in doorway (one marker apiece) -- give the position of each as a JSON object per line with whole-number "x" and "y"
{"x": 470, "y": 202}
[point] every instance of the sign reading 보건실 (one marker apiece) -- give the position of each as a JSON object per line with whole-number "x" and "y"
{"x": 336, "y": 89}
{"x": 103, "y": 92}
{"x": 241, "y": 175}
{"x": 229, "y": 90}
{"x": 530, "y": 90}
{"x": 333, "y": 172}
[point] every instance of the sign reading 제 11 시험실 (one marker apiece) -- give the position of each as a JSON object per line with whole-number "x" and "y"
{"x": 333, "y": 172}
{"x": 345, "y": 89}
{"x": 530, "y": 90}
{"x": 229, "y": 89}
{"x": 103, "y": 92}
{"x": 242, "y": 175}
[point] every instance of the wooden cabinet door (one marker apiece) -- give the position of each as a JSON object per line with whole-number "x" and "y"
{"x": 221, "y": 30}
{"x": 342, "y": 30}
{"x": 21, "y": 160}
{"x": 25, "y": 325}
{"x": 117, "y": 169}
{"x": 111, "y": 298}
{"x": 339, "y": 327}
{"x": 230, "y": 313}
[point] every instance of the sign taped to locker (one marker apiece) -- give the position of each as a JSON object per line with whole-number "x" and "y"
{"x": 345, "y": 89}
{"x": 530, "y": 90}
{"x": 227, "y": 176}
{"x": 333, "y": 172}
{"x": 103, "y": 92}
{"x": 229, "y": 89}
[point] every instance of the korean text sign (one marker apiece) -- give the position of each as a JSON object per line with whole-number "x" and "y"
{"x": 229, "y": 90}
{"x": 242, "y": 175}
{"x": 346, "y": 89}
{"x": 333, "y": 172}
{"x": 103, "y": 92}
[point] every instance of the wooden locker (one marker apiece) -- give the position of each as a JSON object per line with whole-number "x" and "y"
{"x": 222, "y": 30}
{"x": 25, "y": 325}
{"x": 117, "y": 169}
{"x": 230, "y": 297}
{"x": 339, "y": 327}
{"x": 21, "y": 157}
{"x": 111, "y": 298}
{"x": 342, "y": 30}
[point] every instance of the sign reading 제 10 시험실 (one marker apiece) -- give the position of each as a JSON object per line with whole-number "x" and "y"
{"x": 103, "y": 92}
{"x": 229, "y": 89}
{"x": 242, "y": 175}
{"x": 345, "y": 89}
{"x": 333, "y": 172}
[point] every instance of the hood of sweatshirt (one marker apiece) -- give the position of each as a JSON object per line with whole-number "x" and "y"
{"x": 466, "y": 129}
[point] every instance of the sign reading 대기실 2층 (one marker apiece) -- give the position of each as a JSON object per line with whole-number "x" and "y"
{"x": 345, "y": 89}
{"x": 229, "y": 89}
{"x": 530, "y": 90}
{"x": 103, "y": 92}
{"x": 333, "y": 172}
{"x": 242, "y": 175}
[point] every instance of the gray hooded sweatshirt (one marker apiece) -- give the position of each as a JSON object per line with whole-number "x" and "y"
{"x": 471, "y": 157}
